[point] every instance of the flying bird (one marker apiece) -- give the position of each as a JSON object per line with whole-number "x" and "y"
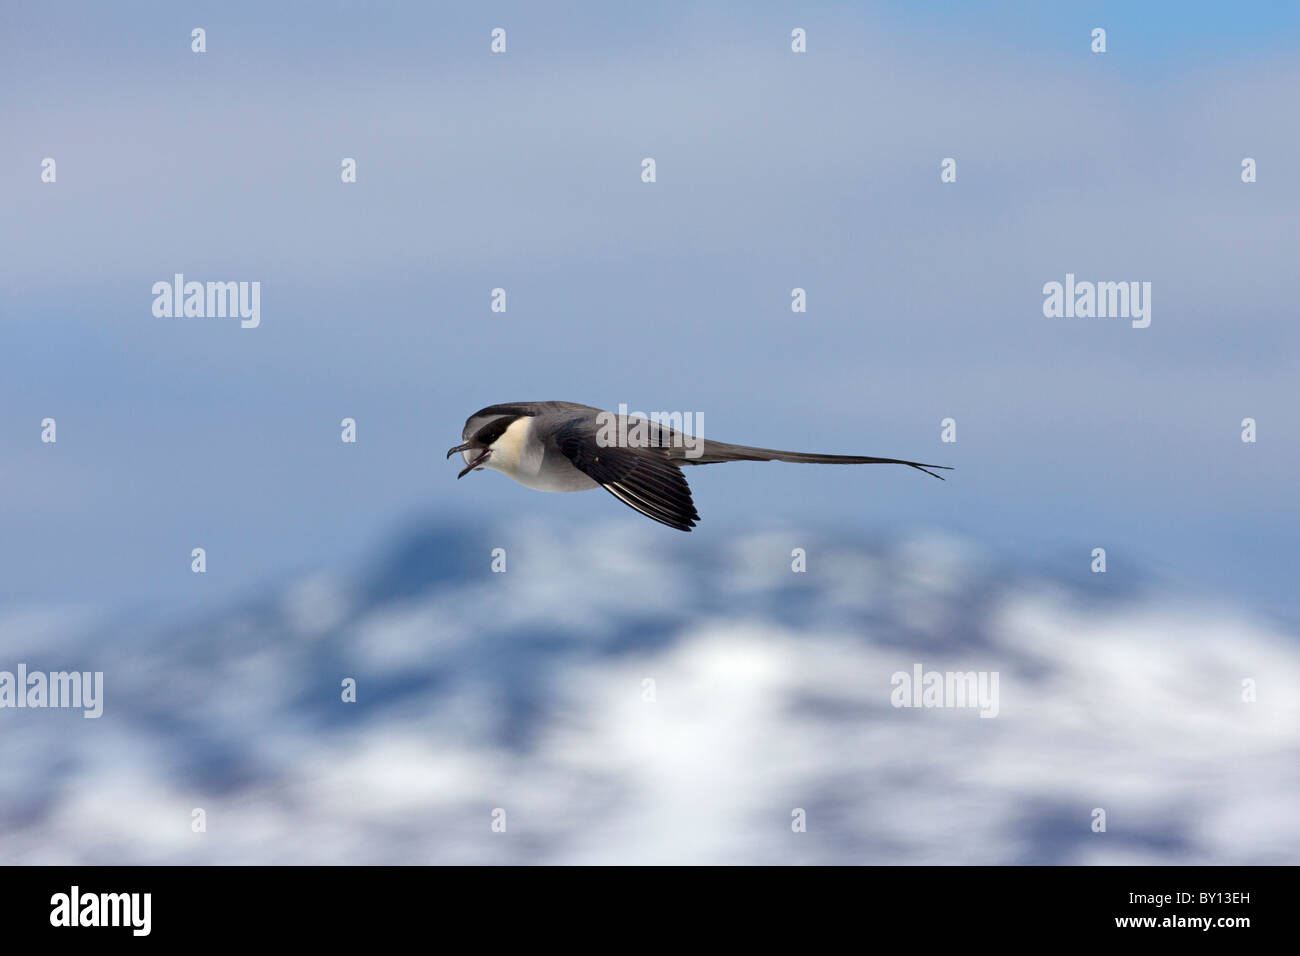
{"x": 564, "y": 446}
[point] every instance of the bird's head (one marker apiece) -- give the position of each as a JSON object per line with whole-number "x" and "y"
{"x": 481, "y": 438}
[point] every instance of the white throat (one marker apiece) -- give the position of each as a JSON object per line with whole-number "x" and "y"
{"x": 515, "y": 453}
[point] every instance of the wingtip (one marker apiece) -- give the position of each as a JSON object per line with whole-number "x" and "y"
{"x": 926, "y": 469}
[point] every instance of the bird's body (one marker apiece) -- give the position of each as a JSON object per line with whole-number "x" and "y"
{"x": 564, "y": 446}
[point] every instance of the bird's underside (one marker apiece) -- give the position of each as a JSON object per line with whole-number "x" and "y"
{"x": 636, "y": 460}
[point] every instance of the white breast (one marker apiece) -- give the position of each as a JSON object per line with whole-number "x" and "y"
{"x": 520, "y": 456}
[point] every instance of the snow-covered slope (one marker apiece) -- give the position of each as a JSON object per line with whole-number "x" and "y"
{"x": 525, "y": 692}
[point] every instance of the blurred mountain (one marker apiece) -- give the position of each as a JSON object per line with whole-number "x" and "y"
{"x": 526, "y": 691}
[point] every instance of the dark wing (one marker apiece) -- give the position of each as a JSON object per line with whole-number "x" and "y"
{"x": 641, "y": 478}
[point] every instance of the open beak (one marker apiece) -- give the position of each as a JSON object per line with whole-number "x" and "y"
{"x": 474, "y": 462}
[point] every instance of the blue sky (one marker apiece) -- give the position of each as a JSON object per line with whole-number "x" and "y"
{"x": 522, "y": 171}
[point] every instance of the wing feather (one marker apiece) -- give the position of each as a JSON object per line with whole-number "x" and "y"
{"x": 644, "y": 479}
